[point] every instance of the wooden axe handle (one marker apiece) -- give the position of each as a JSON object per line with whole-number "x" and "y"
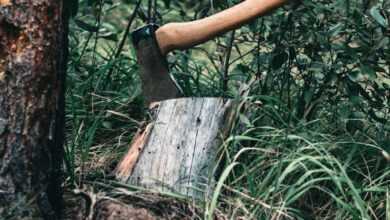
{"x": 188, "y": 34}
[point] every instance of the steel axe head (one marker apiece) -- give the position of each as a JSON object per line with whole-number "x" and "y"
{"x": 157, "y": 84}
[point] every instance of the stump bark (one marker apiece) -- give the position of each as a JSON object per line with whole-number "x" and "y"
{"x": 177, "y": 152}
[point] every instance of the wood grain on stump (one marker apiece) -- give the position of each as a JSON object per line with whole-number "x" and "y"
{"x": 177, "y": 151}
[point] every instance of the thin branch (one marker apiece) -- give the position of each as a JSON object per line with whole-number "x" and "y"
{"x": 226, "y": 64}
{"x": 154, "y": 18}
{"x": 124, "y": 38}
{"x": 150, "y": 11}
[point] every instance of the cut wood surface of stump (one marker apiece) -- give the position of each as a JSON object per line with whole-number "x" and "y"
{"x": 177, "y": 152}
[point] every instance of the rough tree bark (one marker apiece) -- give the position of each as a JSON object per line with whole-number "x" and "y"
{"x": 33, "y": 45}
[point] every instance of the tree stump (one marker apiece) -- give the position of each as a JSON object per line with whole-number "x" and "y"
{"x": 177, "y": 152}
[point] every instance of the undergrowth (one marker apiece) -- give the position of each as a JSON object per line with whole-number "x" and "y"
{"x": 312, "y": 137}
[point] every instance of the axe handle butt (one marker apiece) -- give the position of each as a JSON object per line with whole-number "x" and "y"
{"x": 188, "y": 34}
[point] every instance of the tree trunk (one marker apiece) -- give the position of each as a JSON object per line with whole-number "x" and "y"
{"x": 178, "y": 151}
{"x": 33, "y": 45}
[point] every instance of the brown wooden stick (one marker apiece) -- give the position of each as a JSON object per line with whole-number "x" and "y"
{"x": 188, "y": 34}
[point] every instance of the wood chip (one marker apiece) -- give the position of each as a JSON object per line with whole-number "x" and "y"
{"x": 126, "y": 166}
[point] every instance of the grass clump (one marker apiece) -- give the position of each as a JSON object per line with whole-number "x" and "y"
{"x": 304, "y": 171}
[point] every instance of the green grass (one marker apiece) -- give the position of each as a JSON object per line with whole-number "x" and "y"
{"x": 304, "y": 172}
{"x": 331, "y": 163}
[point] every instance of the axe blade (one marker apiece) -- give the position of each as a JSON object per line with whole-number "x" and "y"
{"x": 157, "y": 84}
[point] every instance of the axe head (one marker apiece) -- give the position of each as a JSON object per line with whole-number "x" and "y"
{"x": 157, "y": 84}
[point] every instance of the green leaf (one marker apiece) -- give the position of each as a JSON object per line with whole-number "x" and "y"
{"x": 245, "y": 120}
{"x": 356, "y": 100}
{"x": 218, "y": 190}
{"x": 336, "y": 29}
{"x": 308, "y": 95}
{"x": 386, "y": 82}
{"x": 107, "y": 124}
{"x": 376, "y": 14}
{"x": 85, "y": 26}
{"x": 368, "y": 71}
{"x": 355, "y": 76}
{"x": 108, "y": 35}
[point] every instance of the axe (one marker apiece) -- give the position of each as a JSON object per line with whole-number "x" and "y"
{"x": 153, "y": 43}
